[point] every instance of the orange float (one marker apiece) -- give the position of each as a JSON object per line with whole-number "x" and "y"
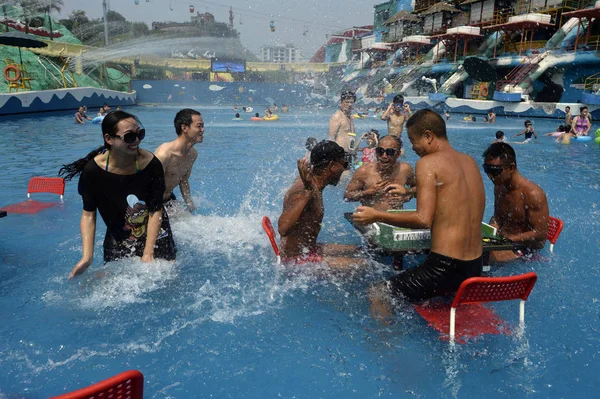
{"x": 8, "y": 76}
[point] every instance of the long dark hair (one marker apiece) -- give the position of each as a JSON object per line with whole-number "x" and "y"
{"x": 109, "y": 126}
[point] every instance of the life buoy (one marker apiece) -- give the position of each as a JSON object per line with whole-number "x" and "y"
{"x": 483, "y": 91}
{"x": 16, "y": 70}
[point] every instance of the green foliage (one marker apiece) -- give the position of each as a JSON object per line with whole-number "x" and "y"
{"x": 115, "y": 16}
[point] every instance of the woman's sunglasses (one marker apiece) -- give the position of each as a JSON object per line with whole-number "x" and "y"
{"x": 389, "y": 151}
{"x": 130, "y": 137}
{"x": 492, "y": 170}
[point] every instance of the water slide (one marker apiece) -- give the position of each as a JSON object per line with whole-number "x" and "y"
{"x": 565, "y": 36}
{"x": 486, "y": 48}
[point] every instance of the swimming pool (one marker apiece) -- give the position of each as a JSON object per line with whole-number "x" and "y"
{"x": 223, "y": 321}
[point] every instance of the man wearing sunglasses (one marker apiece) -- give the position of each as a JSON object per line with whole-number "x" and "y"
{"x": 450, "y": 202}
{"x": 178, "y": 156}
{"x": 520, "y": 206}
{"x": 303, "y": 210}
{"x": 395, "y": 116}
{"x": 383, "y": 184}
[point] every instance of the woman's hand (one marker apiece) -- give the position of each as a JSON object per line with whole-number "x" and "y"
{"x": 80, "y": 267}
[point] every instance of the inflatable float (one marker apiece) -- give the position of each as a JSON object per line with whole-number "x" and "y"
{"x": 255, "y": 118}
{"x": 271, "y": 118}
{"x": 98, "y": 119}
{"x": 582, "y": 138}
{"x": 359, "y": 116}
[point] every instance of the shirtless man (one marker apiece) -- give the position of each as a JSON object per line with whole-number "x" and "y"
{"x": 491, "y": 116}
{"x": 450, "y": 202}
{"x": 303, "y": 210}
{"x": 178, "y": 156}
{"x": 382, "y": 184}
{"x": 341, "y": 124}
{"x": 395, "y": 117}
{"x": 520, "y": 206}
{"x": 568, "y": 116}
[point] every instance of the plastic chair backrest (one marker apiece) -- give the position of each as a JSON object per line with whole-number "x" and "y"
{"x": 127, "y": 385}
{"x": 53, "y": 185}
{"x": 268, "y": 227}
{"x": 491, "y": 289}
{"x": 555, "y": 227}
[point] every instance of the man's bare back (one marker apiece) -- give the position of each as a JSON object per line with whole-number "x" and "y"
{"x": 454, "y": 181}
{"x": 303, "y": 235}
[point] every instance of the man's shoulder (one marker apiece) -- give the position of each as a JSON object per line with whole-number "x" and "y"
{"x": 532, "y": 190}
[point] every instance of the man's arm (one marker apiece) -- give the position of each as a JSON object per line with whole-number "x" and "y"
{"x": 356, "y": 188}
{"x": 422, "y": 218}
{"x": 293, "y": 208}
{"x": 184, "y": 184}
{"x": 386, "y": 114}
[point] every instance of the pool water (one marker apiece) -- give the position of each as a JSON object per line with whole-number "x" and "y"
{"x": 224, "y": 321}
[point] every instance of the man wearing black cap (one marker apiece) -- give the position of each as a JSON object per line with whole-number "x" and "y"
{"x": 300, "y": 221}
{"x": 341, "y": 125}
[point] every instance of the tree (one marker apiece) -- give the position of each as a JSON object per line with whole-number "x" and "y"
{"x": 78, "y": 17}
{"x": 114, "y": 16}
{"x": 139, "y": 29}
{"x": 33, "y": 7}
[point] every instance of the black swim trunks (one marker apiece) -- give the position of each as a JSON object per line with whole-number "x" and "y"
{"x": 438, "y": 275}
{"x": 171, "y": 198}
{"x": 165, "y": 245}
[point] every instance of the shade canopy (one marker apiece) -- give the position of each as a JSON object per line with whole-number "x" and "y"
{"x": 20, "y": 39}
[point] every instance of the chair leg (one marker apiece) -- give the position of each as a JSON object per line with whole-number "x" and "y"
{"x": 452, "y": 324}
{"x": 551, "y": 248}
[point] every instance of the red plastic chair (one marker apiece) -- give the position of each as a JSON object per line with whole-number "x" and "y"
{"x": 477, "y": 290}
{"x": 127, "y": 385}
{"x": 268, "y": 227}
{"x": 53, "y": 185}
{"x": 555, "y": 227}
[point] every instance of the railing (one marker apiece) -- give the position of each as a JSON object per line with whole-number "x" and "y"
{"x": 41, "y": 59}
{"x": 517, "y": 75}
{"x": 499, "y": 17}
{"x": 592, "y": 83}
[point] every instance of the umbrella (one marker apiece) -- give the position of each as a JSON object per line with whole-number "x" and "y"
{"x": 480, "y": 70}
{"x": 20, "y": 39}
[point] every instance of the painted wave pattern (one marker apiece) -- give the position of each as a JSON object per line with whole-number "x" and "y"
{"x": 61, "y": 99}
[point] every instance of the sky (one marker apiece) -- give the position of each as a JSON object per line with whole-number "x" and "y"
{"x": 304, "y": 23}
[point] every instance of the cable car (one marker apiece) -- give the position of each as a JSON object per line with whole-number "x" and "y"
{"x": 191, "y": 8}
{"x": 272, "y": 26}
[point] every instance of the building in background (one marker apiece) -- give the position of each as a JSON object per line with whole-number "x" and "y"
{"x": 278, "y": 53}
